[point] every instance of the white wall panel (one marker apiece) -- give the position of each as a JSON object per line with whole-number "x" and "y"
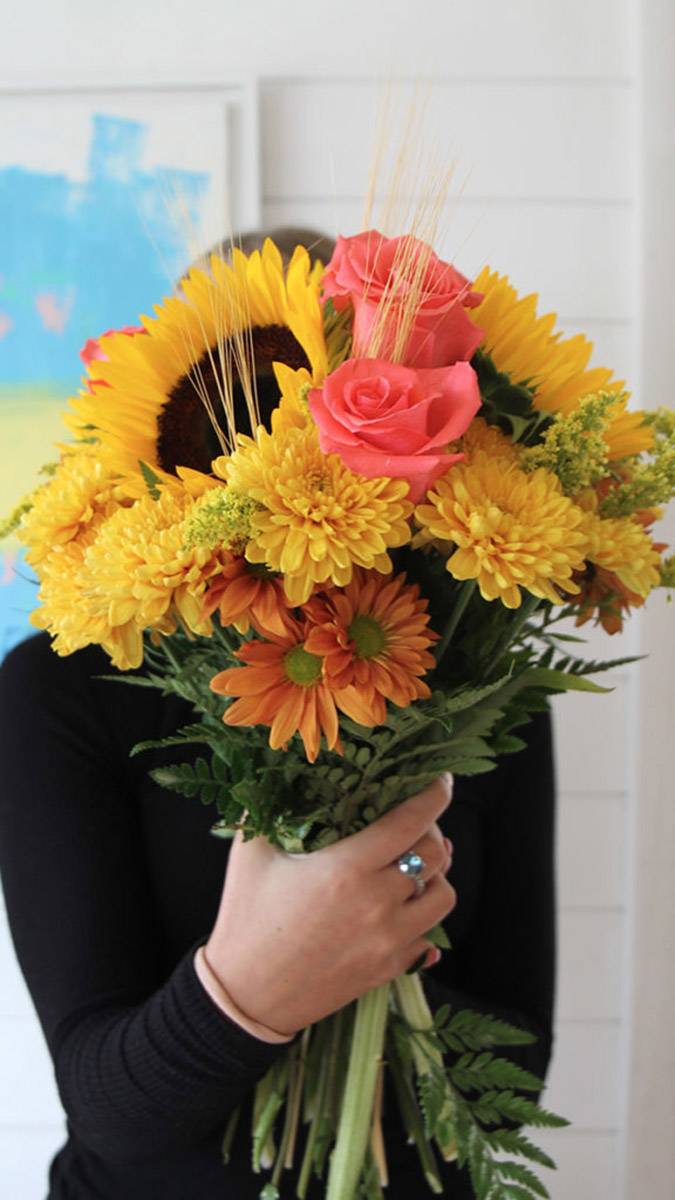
{"x": 530, "y": 140}
{"x": 15, "y": 1000}
{"x": 27, "y": 1090}
{"x": 584, "y": 1080}
{"x": 591, "y": 851}
{"x": 586, "y": 1164}
{"x": 218, "y": 38}
{"x": 591, "y": 965}
{"x": 592, "y": 741}
{"x": 25, "y": 1154}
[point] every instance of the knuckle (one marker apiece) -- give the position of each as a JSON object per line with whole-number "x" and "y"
{"x": 447, "y": 897}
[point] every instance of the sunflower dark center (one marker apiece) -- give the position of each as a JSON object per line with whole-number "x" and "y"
{"x": 186, "y": 437}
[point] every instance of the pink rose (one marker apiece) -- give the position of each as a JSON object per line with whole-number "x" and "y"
{"x": 369, "y": 268}
{"x": 384, "y": 419}
{"x": 92, "y": 347}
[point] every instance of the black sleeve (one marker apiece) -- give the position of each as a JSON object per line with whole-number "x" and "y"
{"x": 503, "y": 928}
{"x": 144, "y": 1060}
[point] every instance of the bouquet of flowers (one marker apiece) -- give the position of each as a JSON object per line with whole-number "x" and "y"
{"x": 342, "y": 511}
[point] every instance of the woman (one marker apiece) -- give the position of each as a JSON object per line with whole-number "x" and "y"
{"x": 169, "y": 971}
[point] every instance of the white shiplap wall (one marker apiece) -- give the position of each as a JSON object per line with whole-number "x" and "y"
{"x": 538, "y": 104}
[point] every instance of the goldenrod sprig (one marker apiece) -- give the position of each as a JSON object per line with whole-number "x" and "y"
{"x": 667, "y": 572}
{"x": 12, "y": 521}
{"x": 221, "y": 518}
{"x": 573, "y": 446}
{"x": 652, "y": 480}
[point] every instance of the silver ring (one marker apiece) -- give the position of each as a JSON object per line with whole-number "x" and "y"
{"x": 412, "y": 865}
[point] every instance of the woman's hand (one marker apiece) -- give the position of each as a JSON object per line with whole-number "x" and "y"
{"x": 298, "y": 937}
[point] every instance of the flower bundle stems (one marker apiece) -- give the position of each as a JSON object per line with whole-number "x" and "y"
{"x": 357, "y": 1102}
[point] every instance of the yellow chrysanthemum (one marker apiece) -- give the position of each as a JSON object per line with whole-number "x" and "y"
{"x": 140, "y": 562}
{"x": 319, "y": 519}
{"x": 81, "y": 488}
{"x": 510, "y": 530}
{"x": 480, "y": 436}
{"x": 212, "y": 348}
{"x": 75, "y": 613}
{"x": 625, "y": 548}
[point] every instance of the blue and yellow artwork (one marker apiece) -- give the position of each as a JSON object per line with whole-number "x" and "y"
{"x": 77, "y": 257}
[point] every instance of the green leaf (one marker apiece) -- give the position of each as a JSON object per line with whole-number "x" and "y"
{"x": 438, "y": 937}
{"x": 152, "y": 481}
{"x": 519, "y": 1173}
{"x": 561, "y": 681}
{"x": 481, "y": 1030}
{"x": 512, "y": 1141}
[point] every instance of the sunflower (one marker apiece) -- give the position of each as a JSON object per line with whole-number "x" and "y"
{"x": 525, "y": 347}
{"x": 510, "y": 530}
{"x": 317, "y": 520}
{"x": 171, "y": 399}
{"x": 281, "y": 685}
{"x": 374, "y": 639}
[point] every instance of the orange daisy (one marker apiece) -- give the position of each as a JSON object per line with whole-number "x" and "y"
{"x": 604, "y": 599}
{"x": 374, "y": 639}
{"x": 281, "y": 685}
{"x": 248, "y": 594}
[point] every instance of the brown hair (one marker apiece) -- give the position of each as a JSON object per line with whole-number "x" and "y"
{"x": 285, "y": 237}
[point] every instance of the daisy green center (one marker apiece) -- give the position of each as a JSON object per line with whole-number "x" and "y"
{"x": 367, "y": 635}
{"x": 301, "y": 667}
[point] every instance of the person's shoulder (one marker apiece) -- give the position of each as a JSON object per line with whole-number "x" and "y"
{"x": 33, "y": 664}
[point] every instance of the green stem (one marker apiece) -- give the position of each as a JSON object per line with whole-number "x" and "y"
{"x": 357, "y": 1101}
{"x": 413, "y": 1005}
{"x": 456, "y": 615}
{"x": 512, "y": 631}
{"x": 228, "y": 1136}
{"x": 169, "y": 652}
{"x": 269, "y": 1096}
{"x": 318, "y": 1117}
{"x": 412, "y": 1119}
{"x": 225, "y": 638}
{"x": 292, "y": 1108}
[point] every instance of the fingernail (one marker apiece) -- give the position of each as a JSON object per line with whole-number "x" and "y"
{"x": 449, "y": 781}
{"x": 448, "y": 851}
{"x": 433, "y": 957}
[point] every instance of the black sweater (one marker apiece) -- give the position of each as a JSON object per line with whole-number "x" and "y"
{"x": 111, "y": 883}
